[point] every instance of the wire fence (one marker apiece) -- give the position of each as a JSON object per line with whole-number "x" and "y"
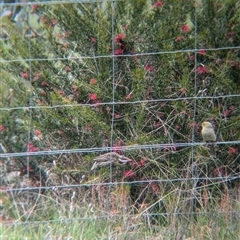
{"x": 172, "y": 171}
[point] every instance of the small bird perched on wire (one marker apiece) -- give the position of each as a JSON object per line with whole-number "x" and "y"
{"x": 209, "y": 135}
{"x": 107, "y": 158}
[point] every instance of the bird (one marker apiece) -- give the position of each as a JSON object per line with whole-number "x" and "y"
{"x": 209, "y": 135}
{"x": 108, "y": 158}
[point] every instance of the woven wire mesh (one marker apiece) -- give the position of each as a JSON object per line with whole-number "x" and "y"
{"x": 82, "y": 78}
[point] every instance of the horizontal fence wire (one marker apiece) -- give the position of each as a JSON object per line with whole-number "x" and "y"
{"x": 70, "y": 57}
{"x": 119, "y": 102}
{"x": 212, "y": 180}
{"x": 169, "y": 146}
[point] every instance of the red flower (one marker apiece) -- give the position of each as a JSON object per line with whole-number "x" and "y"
{"x": 142, "y": 162}
{"x": 125, "y": 27}
{"x": 61, "y": 93}
{"x": 43, "y": 84}
{"x": 192, "y": 124}
{"x": 116, "y": 149}
{"x": 96, "y": 103}
{"x": 128, "y": 96}
{"x": 31, "y": 148}
{"x": 201, "y": 52}
{"x": 92, "y": 81}
{"x": 179, "y": 38}
{"x": 157, "y": 4}
{"x": 37, "y": 132}
{"x": 88, "y": 128}
{"x": 154, "y": 187}
{"x": 24, "y": 74}
{"x": 184, "y": 28}
{"x": 191, "y": 58}
{"x": 93, "y": 40}
{"x": 118, "y": 51}
{"x": 202, "y": 69}
{"x": 219, "y": 172}
{"x": 2, "y": 128}
{"x": 149, "y": 68}
{"x": 92, "y": 96}
{"x": 67, "y": 69}
{"x": 128, "y": 173}
{"x": 43, "y": 19}
{"x": 34, "y": 8}
{"x": 116, "y": 115}
{"x": 53, "y": 22}
{"x": 232, "y": 150}
{"x": 119, "y": 38}
{"x": 170, "y": 148}
{"x": 36, "y": 76}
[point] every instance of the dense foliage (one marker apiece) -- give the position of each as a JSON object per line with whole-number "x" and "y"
{"x": 122, "y": 74}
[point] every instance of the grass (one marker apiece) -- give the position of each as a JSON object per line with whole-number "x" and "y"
{"x": 94, "y": 225}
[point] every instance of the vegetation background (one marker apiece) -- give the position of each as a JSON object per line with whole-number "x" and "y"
{"x": 119, "y": 76}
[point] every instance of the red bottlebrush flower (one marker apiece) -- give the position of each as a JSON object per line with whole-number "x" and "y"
{"x": 116, "y": 149}
{"x": 170, "y": 148}
{"x": 36, "y": 76}
{"x": 142, "y": 162}
{"x": 67, "y": 69}
{"x": 157, "y": 4}
{"x": 125, "y": 27}
{"x": 128, "y": 173}
{"x": 24, "y": 74}
{"x": 119, "y": 38}
{"x": 201, "y": 52}
{"x": 191, "y": 58}
{"x": 31, "y": 148}
{"x": 93, "y": 40}
{"x": 92, "y": 81}
{"x": 219, "y": 172}
{"x": 178, "y": 127}
{"x": 155, "y": 187}
{"x": 179, "y": 38}
{"x": 92, "y": 96}
{"x": 43, "y": 93}
{"x": 184, "y": 28}
{"x": 149, "y": 68}
{"x": 2, "y": 128}
{"x": 43, "y": 84}
{"x": 53, "y": 22}
{"x": 183, "y": 90}
{"x": 96, "y": 103}
{"x": 61, "y": 93}
{"x": 202, "y": 69}
{"x": 232, "y": 151}
{"x": 128, "y": 96}
{"x": 108, "y": 109}
{"x": 43, "y": 19}
{"x": 226, "y": 113}
{"x": 88, "y": 128}
{"x": 37, "y": 132}
{"x": 34, "y": 6}
{"x": 118, "y": 51}
{"x": 116, "y": 115}
{"x": 37, "y": 135}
